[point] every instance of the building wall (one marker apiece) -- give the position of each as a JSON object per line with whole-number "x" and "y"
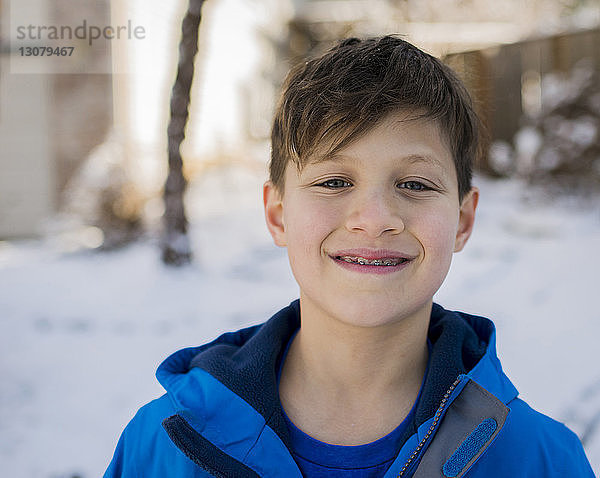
{"x": 48, "y": 123}
{"x": 26, "y": 177}
{"x": 27, "y": 193}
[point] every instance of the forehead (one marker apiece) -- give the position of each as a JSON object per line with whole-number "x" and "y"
{"x": 409, "y": 136}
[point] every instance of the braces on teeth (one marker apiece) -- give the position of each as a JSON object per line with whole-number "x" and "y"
{"x": 374, "y": 262}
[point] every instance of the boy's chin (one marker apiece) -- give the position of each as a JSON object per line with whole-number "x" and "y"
{"x": 374, "y": 314}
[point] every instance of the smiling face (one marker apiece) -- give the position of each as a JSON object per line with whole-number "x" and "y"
{"x": 370, "y": 232}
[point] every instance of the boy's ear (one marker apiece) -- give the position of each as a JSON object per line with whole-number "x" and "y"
{"x": 273, "y": 202}
{"x": 466, "y": 218}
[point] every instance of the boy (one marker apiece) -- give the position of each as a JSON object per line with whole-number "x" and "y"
{"x": 370, "y": 192}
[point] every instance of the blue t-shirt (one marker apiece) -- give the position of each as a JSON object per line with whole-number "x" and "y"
{"x": 317, "y": 459}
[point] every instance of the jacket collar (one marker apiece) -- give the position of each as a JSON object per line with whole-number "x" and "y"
{"x": 462, "y": 344}
{"x": 246, "y": 362}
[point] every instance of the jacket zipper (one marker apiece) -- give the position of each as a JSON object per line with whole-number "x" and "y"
{"x": 438, "y": 414}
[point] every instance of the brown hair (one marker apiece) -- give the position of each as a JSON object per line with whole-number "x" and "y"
{"x": 337, "y": 97}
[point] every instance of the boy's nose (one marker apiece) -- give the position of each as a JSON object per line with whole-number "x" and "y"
{"x": 374, "y": 214}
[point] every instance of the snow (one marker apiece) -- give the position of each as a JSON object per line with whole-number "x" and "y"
{"x": 528, "y": 141}
{"x": 560, "y": 89}
{"x": 500, "y": 157}
{"x": 82, "y": 333}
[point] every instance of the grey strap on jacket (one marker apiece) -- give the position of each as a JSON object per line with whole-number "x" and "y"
{"x": 469, "y": 426}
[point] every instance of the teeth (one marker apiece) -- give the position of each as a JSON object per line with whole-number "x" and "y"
{"x": 374, "y": 262}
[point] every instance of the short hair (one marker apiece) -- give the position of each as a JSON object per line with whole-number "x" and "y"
{"x": 337, "y": 97}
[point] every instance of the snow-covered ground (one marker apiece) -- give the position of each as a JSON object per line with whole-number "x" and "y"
{"x": 81, "y": 333}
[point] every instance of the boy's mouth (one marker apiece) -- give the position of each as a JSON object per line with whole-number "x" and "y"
{"x": 384, "y": 261}
{"x": 366, "y": 260}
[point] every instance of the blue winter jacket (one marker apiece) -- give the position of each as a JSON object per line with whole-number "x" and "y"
{"x": 221, "y": 415}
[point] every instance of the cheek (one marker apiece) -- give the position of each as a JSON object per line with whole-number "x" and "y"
{"x": 437, "y": 236}
{"x": 308, "y": 223}
{"x": 307, "y": 226}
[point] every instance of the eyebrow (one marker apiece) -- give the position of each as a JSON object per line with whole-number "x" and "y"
{"x": 420, "y": 158}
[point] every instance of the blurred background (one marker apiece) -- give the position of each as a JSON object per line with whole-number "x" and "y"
{"x": 88, "y": 307}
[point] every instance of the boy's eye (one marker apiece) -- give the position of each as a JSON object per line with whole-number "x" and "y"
{"x": 335, "y": 183}
{"x": 413, "y": 186}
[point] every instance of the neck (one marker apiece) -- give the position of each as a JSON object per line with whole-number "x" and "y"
{"x": 350, "y": 384}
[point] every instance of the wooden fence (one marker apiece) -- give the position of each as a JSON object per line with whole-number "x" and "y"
{"x": 504, "y": 80}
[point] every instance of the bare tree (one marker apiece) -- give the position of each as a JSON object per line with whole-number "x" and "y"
{"x": 176, "y": 248}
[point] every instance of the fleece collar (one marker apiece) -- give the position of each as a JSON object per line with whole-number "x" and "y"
{"x": 246, "y": 362}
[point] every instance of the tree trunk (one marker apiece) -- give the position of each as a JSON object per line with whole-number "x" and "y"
{"x": 176, "y": 248}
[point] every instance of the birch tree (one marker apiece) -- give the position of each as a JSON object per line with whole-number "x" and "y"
{"x": 176, "y": 248}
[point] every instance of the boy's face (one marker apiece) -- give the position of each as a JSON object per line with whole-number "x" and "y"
{"x": 370, "y": 233}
